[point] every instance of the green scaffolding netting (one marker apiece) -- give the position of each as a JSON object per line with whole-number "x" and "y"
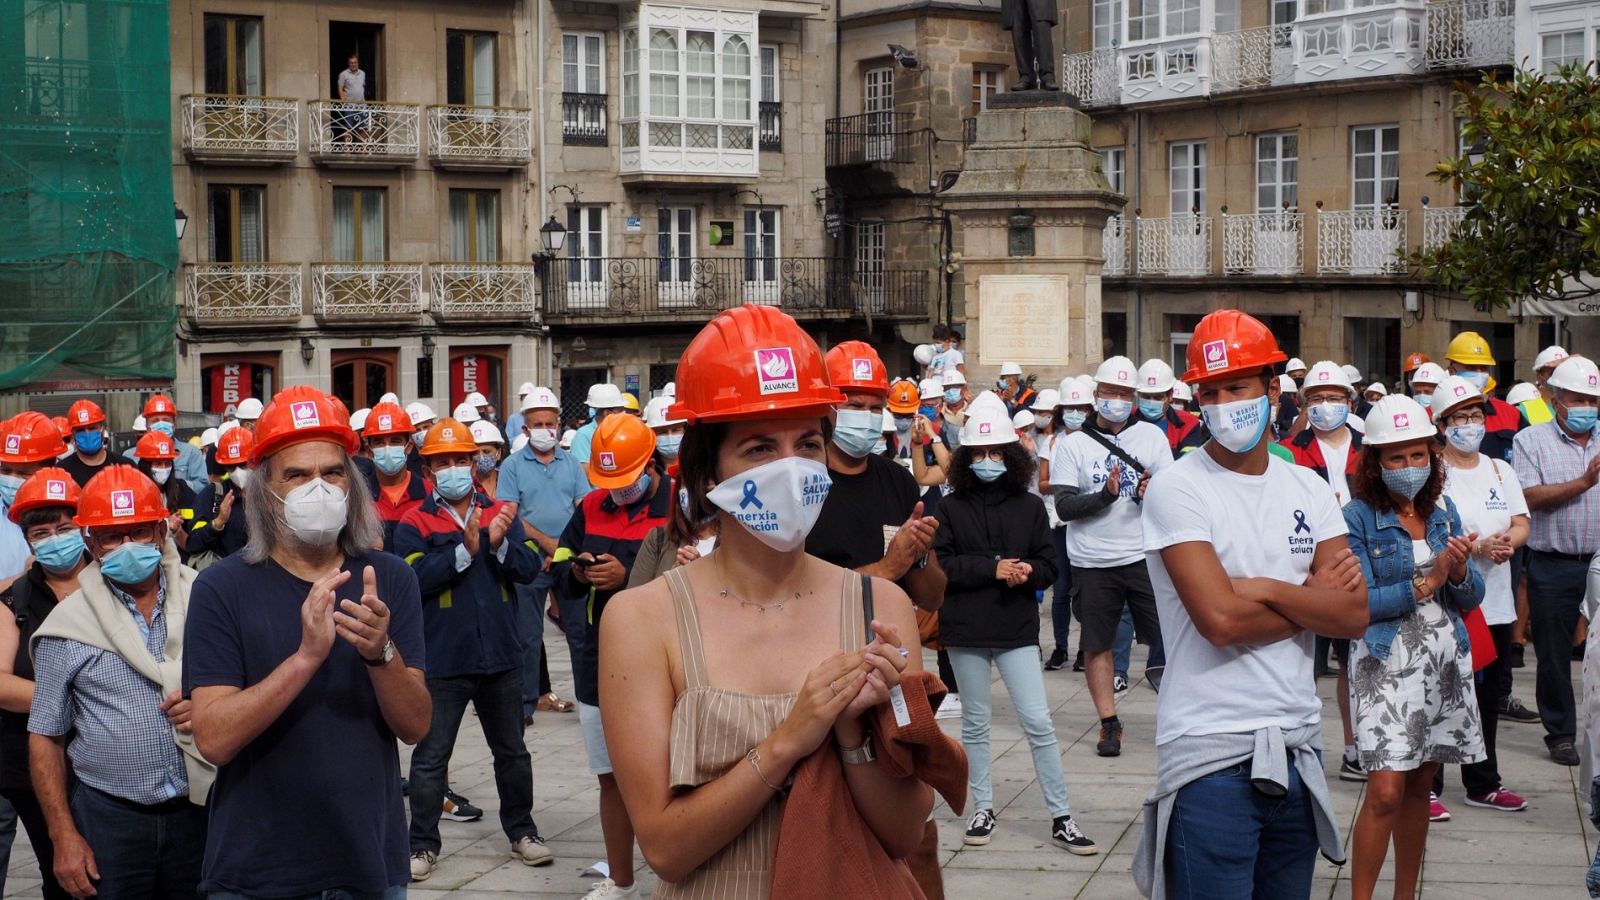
{"x": 87, "y": 251}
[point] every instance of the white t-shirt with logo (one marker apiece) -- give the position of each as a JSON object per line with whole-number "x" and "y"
{"x": 1260, "y": 526}
{"x": 948, "y": 360}
{"x": 1487, "y": 496}
{"x": 1113, "y": 536}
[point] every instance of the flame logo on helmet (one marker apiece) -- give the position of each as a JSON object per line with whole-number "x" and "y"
{"x": 1402, "y": 420}
{"x": 55, "y": 490}
{"x": 985, "y": 428}
{"x": 83, "y": 415}
{"x": 447, "y": 434}
{"x": 775, "y": 371}
{"x": 1461, "y": 390}
{"x": 121, "y": 504}
{"x": 1593, "y": 380}
{"x": 385, "y": 422}
{"x": 1323, "y": 376}
{"x": 1216, "y": 355}
{"x": 608, "y": 461}
{"x": 303, "y": 414}
{"x": 13, "y": 443}
{"x": 861, "y": 369}
{"x": 1150, "y": 380}
{"x": 1122, "y": 374}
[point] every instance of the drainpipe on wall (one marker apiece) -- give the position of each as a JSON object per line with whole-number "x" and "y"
{"x": 546, "y": 365}
{"x": 1136, "y": 326}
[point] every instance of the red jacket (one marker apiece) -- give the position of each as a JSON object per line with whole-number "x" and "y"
{"x": 1307, "y": 452}
{"x": 1183, "y": 430}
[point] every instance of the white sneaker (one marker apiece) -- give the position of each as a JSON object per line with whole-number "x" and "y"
{"x": 608, "y": 889}
{"x": 950, "y": 708}
{"x": 423, "y": 862}
{"x": 531, "y": 851}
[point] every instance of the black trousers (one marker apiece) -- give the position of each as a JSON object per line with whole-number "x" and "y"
{"x": 26, "y": 803}
{"x": 1555, "y": 591}
{"x": 1480, "y": 778}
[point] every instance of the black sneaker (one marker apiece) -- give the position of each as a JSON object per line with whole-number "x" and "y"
{"x": 458, "y": 808}
{"x": 1110, "y": 740}
{"x": 1077, "y": 661}
{"x": 1058, "y": 658}
{"x": 1563, "y": 754}
{"x": 1512, "y": 708}
{"x": 1068, "y": 836}
{"x": 980, "y": 827}
{"x": 1350, "y": 770}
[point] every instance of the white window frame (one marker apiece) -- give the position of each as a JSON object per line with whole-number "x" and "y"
{"x": 761, "y": 267}
{"x": 987, "y": 81}
{"x": 1548, "y": 64}
{"x": 877, "y": 102}
{"x": 1114, "y": 162}
{"x": 1193, "y": 169}
{"x": 1275, "y": 153}
{"x": 1377, "y": 180}
{"x": 586, "y": 226}
{"x": 1107, "y": 24}
{"x": 771, "y": 87}
{"x": 590, "y": 60}
{"x": 870, "y": 262}
{"x": 675, "y": 244}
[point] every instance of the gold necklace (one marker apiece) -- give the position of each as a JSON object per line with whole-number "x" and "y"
{"x": 762, "y": 607}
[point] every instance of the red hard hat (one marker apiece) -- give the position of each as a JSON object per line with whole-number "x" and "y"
{"x": 159, "y": 405}
{"x": 1413, "y": 362}
{"x": 120, "y": 495}
{"x": 30, "y": 437}
{"x": 61, "y": 425}
{"x": 155, "y": 445}
{"x": 1228, "y": 342}
{"x": 752, "y": 362}
{"x": 298, "y": 414}
{"x": 855, "y": 366}
{"x": 233, "y": 448}
{"x": 387, "y": 419}
{"x": 85, "y": 412}
{"x": 46, "y": 487}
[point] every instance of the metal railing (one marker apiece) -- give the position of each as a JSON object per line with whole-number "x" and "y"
{"x": 1114, "y": 247}
{"x": 355, "y": 131}
{"x": 1270, "y": 243}
{"x": 1255, "y": 57}
{"x": 236, "y": 125}
{"x": 244, "y": 292}
{"x": 583, "y": 119}
{"x": 1470, "y": 33}
{"x": 54, "y": 89}
{"x": 482, "y": 290}
{"x": 366, "y": 290}
{"x": 769, "y": 128}
{"x": 1362, "y": 241}
{"x": 1176, "y": 245}
{"x": 1439, "y": 224}
{"x": 879, "y": 137}
{"x": 1092, "y": 77}
{"x": 480, "y": 134}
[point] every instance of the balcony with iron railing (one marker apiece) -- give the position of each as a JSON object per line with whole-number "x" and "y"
{"x": 1466, "y": 34}
{"x": 234, "y": 129}
{"x": 1114, "y": 247}
{"x": 870, "y": 139}
{"x": 480, "y": 137}
{"x": 243, "y": 294}
{"x": 583, "y": 120}
{"x": 365, "y": 134}
{"x": 1362, "y": 241}
{"x": 1440, "y": 223}
{"x": 482, "y": 291}
{"x": 1269, "y": 243}
{"x": 364, "y": 292}
{"x": 770, "y": 126}
{"x": 1177, "y": 245}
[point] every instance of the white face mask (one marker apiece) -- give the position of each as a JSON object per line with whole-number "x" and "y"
{"x": 240, "y": 477}
{"x": 542, "y": 439}
{"x": 1113, "y": 411}
{"x": 160, "y": 476}
{"x": 315, "y": 512}
{"x": 778, "y": 502}
{"x": 1239, "y": 425}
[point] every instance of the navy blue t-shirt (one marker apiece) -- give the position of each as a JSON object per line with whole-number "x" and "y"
{"x": 331, "y": 743}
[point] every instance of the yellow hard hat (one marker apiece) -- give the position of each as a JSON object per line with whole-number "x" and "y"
{"x": 1469, "y": 348}
{"x": 630, "y": 402}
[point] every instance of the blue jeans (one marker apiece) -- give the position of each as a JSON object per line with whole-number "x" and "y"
{"x": 1228, "y": 841}
{"x": 394, "y": 893}
{"x": 1061, "y": 595}
{"x": 1019, "y": 669}
{"x": 497, "y": 698}
{"x": 531, "y": 599}
{"x": 141, "y": 851}
{"x": 1124, "y": 647}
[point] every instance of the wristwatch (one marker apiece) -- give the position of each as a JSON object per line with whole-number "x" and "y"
{"x": 383, "y": 657}
{"x": 858, "y": 756}
{"x": 1419, "y": 582}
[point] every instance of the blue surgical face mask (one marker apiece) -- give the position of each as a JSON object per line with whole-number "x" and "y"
{"x": 633, "y": 493}
{"x": 856, "y": 430}
{"x": 1479, "y": 380}
{"x": 131, "y": 563}
{"x": 668, "y": 444}
{"x": 1408, "y": 481}
{"x": 1152, "y": 409}
{"x": 418, "y": 437}
{"x": 1328, "y": 416}
{"x": 1114, "y": 411}
{"x": 9, "y": 484}
{"x": 952, "y": 395}
{"x": 1074, "y": 418}
{"x": 1466, "y": 438}
{"x": 59, "y": 552}
{"x": 988, "y": 470}
{"x": 1578, "y": 420}
{"x": 928, "y": 412}
{"x": 1424, "y": 400}
{"x": 453, "y": 483}
{"x": 89, "y": 441}
{"x": 162, "y": 427}
{"x": 390, "y": 459}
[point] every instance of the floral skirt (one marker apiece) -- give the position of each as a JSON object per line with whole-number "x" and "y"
{"x": 1419, "y": 706}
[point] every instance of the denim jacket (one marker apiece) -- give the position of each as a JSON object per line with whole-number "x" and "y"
{"x": 1383, "y": 546}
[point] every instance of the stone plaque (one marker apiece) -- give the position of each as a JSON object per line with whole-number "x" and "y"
{"x": 1022, "y": 319}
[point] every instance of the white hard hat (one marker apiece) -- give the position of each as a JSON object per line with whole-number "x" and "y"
{"x": 566, "y": 439}
{"x": 465, "y": 413}
{"x": 222, "y": 429}
{"x": 1022, "y": 419}
{"x": 540, "y": 398}
{"x": 655, "y": 413}
{"x": 1182, "y": 391}
{"x": 476, "y": 399}
{"x": 604, "y": 396}
{"x": 139, "y": 424}
{"x": 390, "y": 397}
{"x": 1075, "y": 393}
{"x": 1047, "y": 400}
{"x": 1576, "y": 374}
{"x": 518, "y": 442}
{"x": 1155, "y": 377}
{"x": 1397, "y": 419}
{"x": 1286, "y": 384}
{"x": 485, "y": 433}
{"x": 670, "y": 390}
{"x": 1521, "y": 392}
{"x": 1087, "y": 381}
{"x": 923, "y": 354}
{"x": 358, "y": 419}
{"x": 249, "y": 409}
{"x": 1118, "y": 370}
{"x": 1295, "y": 364}
{"x": 1450, "y": 393}
{"x": 1428, "y": 373}
{"x": 1010, "y": 368}
{"x": 929, "y": 389}
{"x": 419, "y": 412}
{"x": 1549, "y": 356}
{"x": 952, "y": 378}
{"x": 1327, "y": 374}
{"x": 1352, "y": 373}
{"x": 1378, "y": 388}
{"x": 208, "y": 438}
{"x": 988, "y": 424}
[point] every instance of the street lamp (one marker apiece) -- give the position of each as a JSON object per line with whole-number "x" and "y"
{"x": 552, "y": 235}
{"x": 180, "y": 220}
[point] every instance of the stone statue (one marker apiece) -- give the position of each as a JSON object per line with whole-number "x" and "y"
{"x": 1029, "y": 22}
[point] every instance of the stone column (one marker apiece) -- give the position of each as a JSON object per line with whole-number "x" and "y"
{"x": 1032, "y": 204}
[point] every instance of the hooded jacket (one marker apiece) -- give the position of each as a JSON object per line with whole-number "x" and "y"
{"x": 977, "y": 529}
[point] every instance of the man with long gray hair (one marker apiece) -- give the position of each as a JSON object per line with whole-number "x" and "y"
{"x": 304, "y": 660}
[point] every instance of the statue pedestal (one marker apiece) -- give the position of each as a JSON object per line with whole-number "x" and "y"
{"x": 1032, "y": 204}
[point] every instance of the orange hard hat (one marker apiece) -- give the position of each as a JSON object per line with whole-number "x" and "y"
{"x": 61, "y": 425}
{"x": 233, "y": 447}
{"x": 155, "y": 445}
{"x": 387, "y": 419}
{"x": 1413, "y": 362}
{"x": 299, "y": 414}
{"x": 159, "y": 405}
{"x": 621, "y": 447}
{"x": 752, "y": 362}
{"x": 120, "y": 495}
{"x": 85, "y": 412}
{"x": 1228, "y": 342}
{"x": 449, "y": 436}
{"x": 46, "y": 487}
{"x": 30, "y": 437}
{"x": 855, "y": 366}
{"x": 904, "y": 397}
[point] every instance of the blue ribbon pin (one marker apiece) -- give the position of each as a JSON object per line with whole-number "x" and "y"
{"x": 1300, "y": 522}
{"x": 750, "y": 496}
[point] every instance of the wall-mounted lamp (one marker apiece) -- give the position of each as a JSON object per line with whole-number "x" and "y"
{"x": 428, "y": 345}
{"x": 180, "y": 220}
{"x": 308, "y": 351}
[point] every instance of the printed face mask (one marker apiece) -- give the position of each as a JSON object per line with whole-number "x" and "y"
{"x": 1114, "y": 411}
{"x": 315, "y": 512}
{"x": 1328, "y": 416}
{"x": 1466, "y": 438}
{"x": 1408, "y": 481}
{"x": 633, "y": 493}
{"x": 1239, "y": 425}
{"x": 857, "y": 430}
{"x": 484, "y": 463}
{"x": 778, "y": 502}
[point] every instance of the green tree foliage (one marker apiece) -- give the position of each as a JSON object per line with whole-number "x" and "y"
{"x": 1531, "y": 181}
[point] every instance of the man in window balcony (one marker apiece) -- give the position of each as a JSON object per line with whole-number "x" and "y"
{"x": 352, "y": 91}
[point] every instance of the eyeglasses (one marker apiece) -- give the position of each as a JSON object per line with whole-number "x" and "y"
{"x": 42, "y": 532}
{"x": 1466, "y": 418}
{"x": 144, "y": 533}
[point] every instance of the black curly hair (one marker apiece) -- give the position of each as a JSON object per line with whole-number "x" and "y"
{"x": 1368, "y": 483}
{"x": 1019, "y": 469}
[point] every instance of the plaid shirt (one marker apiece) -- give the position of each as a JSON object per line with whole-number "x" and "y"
{"x": 1546, "y": 455}
{"x": 124, "y": 744}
